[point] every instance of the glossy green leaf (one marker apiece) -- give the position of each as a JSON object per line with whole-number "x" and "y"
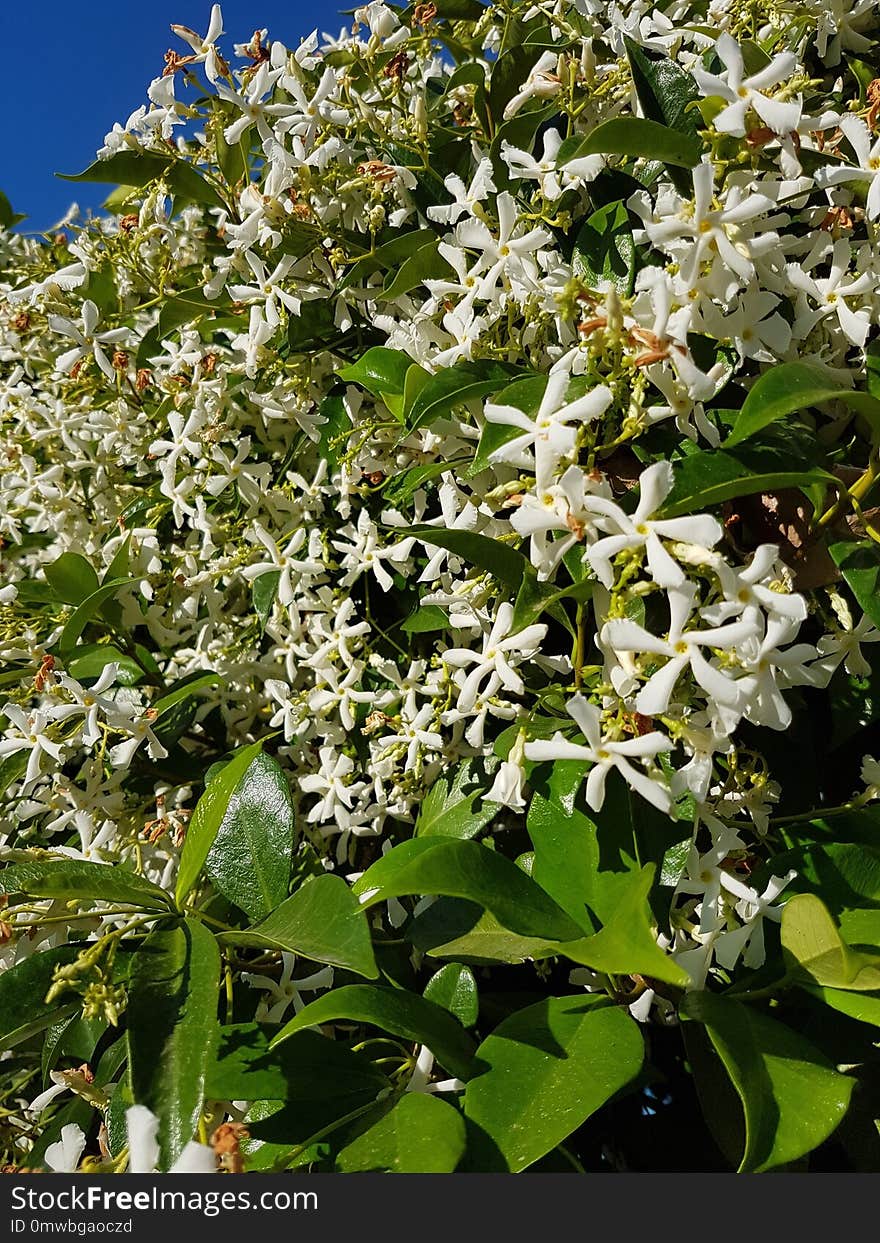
{"x": 864, "y": 1007}
{"x": 791, "y": 1097}
{"x": 708, "y": 478}
{"x": 84, "y": 881}
{"x": 426, "y": 264}
{"x": 188, "y": 306}
{"x": 859, "y": 564}
{"x": 667, "y": 94}
{"x": 91, "y": 659}
{"x": 380, "y": 371}
{"x": 456, "y": 385}
{"x": 334, "y": 431}
{"x": 454, "y": 988}
{"x": 790, "y": 387}
{"x": 249, "y": 860}
{"x": 23, "y": 990}
{"x": 305, "y": 1067}
{"x": 208, "y": 816}
{"x": 387, "y": 256}
{"x": 639, "y": 137}
{"x": 84, "y": 612}
{"x": 392, "y": 1010}
{"x": 604, "y": 250}
{"x": 323, "y": 921}
{"x": 626, "y": 944}
{"x": 127, "y": 168}
{"x": 454, "y": 928}
{"x": 845, "y": 874}
{"x": 463, "y": 869}
{"x": 173, "y": 1029}
{"x": 72, "y": 578}
{"x": 455, "y": 805}
{"x": 420, "y": 1135}
{"x": 813, "y": 947}
{"x": 548, "y": 1067}
{"x": 505, "y": 563}
{"x": 188, "y": 185}
{"x": 424, "y": 620}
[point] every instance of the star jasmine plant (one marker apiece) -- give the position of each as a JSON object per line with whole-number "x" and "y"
{"x": 439, "y": 567}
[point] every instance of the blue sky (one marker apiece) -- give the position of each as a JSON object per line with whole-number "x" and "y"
{"x": 70, "y": 71}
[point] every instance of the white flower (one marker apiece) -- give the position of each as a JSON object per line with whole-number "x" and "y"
{"x": 867, "y": 169}
{"x": 494, "y": 662}
{"x": 87, "y": 340}
{"x": 548, "y": 437}
{"x": 682, "y": 647}
{"x": 204, "y": 51}
{"x": 742, "y": 93}
{"x": 142, "y": 1127}
{"x": 643, "y": 531}
{"x": 542, "y": 83}
{"x": 605, "y": 754}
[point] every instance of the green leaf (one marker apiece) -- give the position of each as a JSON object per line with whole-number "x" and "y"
{"x": 188, "y": 306}
{"x": 323, "y": 921}
{"x": 453, "y": 928}
{"x": 7, "y": 216}
{"x": 306, "y": 1067}
{"x": 184, "y": 689}
{"x": 790, "y": 1096}
{"x": 864, "y": 1007}
{"x": 12, "y": 767}
{"x": 392, "y": 1010}
{"x": 125, "y": 168}
{"x": 711, "y": 477}
{"x": 455, "y": 805}
{"x": 249, "y": 860}
{"x": 420, "y": 1135}
{"x": 859, "y": 563}
{"x": 387, "y": 256}
{"x": 454, "y": 988}
{"x": 549, "y": 1067}
{"x": 91, "y": 659}
{"x": 428, "y": 618}
{"x": 790, "y": 387}
{"x": 400, "y": 487}
{"x": 380, "y": 371}
{"x": 463, "y": 869}
{"x": 505, "y": 563}
{"x": 23, "y": 990}
{"x": 186, "y": 184}
{"x": 207, "y": 818}
{"x": 604, "y": 250}
{"x": 639, "y": 137}
{"x": 453, "y": 386}
{"x": 77, "y": 879}
{"x": 667, "y": 94}
{"x": 426, "y": 264}
{"x": 627, "y": 944}
{"x": 173, "y": 1029}
{"x": 84, "y": 612}
{"x": 460, "y": 10}
{"x": 845, "y": 874}
{"x": 337, "y": 425}
{"x": 813, "y": 946}
{"x": 72, "y": 578}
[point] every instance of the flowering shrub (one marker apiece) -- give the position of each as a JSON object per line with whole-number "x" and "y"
{"x": 439, "y": 587}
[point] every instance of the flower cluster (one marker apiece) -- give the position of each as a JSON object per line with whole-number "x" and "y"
{"x": 385, "y": 413}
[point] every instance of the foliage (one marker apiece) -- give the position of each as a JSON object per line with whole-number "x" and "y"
{"x": 439, "y": 592}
